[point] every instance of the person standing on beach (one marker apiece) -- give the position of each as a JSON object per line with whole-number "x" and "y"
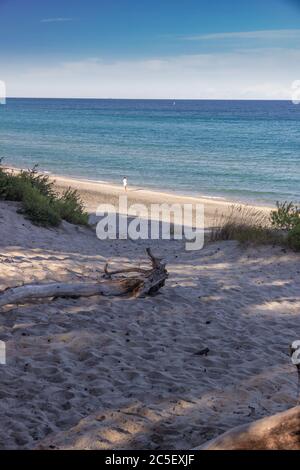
{"x": 125, "y": 183}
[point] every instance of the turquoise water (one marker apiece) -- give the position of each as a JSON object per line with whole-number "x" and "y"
{"x": 243, "y": 150}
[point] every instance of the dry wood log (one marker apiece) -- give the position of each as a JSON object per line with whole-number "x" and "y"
{"x": 148, "y": 283}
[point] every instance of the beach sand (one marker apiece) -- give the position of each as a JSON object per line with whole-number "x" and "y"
{"x": 95, "y": 193}
{"x": 126, "y": 373}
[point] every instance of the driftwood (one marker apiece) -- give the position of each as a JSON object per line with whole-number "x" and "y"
{"x": 277, "y": 432}
{"x": 295, "y": 355}
{"x": 147, "y": 283}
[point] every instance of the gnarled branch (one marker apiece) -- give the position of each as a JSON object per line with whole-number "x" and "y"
{"x": 150, "y": 281}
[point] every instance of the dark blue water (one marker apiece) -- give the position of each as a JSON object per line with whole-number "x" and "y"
{"x": 243, "y": 150}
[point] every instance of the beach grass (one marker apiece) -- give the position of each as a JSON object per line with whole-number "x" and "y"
{"x": 247, "y": 225}
{"x": 251, "y": 225}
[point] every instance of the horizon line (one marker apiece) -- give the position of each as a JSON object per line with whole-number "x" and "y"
{"x": 143, "y": 99}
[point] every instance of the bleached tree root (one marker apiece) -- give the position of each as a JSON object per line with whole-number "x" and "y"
{"x": 148, "y": 282}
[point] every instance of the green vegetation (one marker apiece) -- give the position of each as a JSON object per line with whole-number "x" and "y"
{"x": 71, "y": 208}
{"x": 40, "y": 203}
{"x": 286, "y": 216}
{"x": 293, "y": 238}
{"x": 249, "y": 225}
{"x": 245, "y": 224}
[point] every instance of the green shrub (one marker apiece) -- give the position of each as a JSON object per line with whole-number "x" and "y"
{"x": 71, "y": 208}
{"x": 3, "y": 184}
{"x": 293, "y": 238}
{"x": 39, "y": 209}
{"x": 13, "y": 187}
{"x": 40, "y": 203}
{"x": 286, "y": 216}
{"x": 39, "y": 181}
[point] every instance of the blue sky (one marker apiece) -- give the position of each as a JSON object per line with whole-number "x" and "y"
{"x": 150, "y": 49}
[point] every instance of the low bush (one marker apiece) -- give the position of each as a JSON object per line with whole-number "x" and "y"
{"x": 293, "y": 238}
{"x": 40, "y": 203}
{"x": 39, "y": 209}
{"x": 286, "y": 216}
{"x": 39, "y": 181}
{"x": 12, "y": 187}
{"x": 71, "y": 209}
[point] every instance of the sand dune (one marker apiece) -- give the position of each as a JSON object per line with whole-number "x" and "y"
{"x": 128, "y": 373}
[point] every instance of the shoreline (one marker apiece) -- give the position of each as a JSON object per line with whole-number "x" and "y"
{"x": 169, "y": 191}
{"x": 94, "y": 193}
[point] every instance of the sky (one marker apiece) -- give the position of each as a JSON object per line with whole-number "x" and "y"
{"x": 165, "y": 49}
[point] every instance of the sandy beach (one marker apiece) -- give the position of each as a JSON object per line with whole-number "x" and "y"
{"x": 94, "y": 193}
{"x": 126, "y": 373}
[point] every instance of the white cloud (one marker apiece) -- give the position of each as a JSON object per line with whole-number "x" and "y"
{"x": 56, "y": 20}
{"x": 263, "y": 34}
{"x": 256, "y": 74}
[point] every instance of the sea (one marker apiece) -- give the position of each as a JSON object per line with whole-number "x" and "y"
{"x": 247, "y": 151}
